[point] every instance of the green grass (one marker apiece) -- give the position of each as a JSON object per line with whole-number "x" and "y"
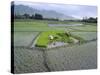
{"x": 43, "y": 40}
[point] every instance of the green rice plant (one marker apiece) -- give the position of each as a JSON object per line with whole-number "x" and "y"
{"x": 43, "y": 39}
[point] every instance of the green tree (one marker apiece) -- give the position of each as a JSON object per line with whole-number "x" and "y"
{"x": 38, "y": 16}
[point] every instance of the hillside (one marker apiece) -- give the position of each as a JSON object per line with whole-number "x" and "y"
{"x": 22, "y": 9}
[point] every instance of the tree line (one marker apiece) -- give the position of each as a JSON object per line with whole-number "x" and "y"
{"x": 27, "y": 16}
{"x": 35, "y": 16}
{"x": 89, "y": 20}
{"x": 40, "y": 17}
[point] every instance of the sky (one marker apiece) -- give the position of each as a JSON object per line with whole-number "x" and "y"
{"x": 77, "y": 11}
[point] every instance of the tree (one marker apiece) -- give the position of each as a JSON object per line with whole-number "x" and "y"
{"x": 93, "y": 20}
{"x": 27, "y": 16}
{"x": 90, "y": 20}
{"x": 38, "y": 16}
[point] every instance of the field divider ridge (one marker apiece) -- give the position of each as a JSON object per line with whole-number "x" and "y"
{"x": 34, "y": 40}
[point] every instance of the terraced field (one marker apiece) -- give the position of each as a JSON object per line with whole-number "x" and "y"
{"x": 66, "y": 58}
{"x": 85, "y": 28}
{"x": 86, "y": 35}
{"x": 24, "y": 38}
{"x": 27, "y": 60}
{"x": 74, "y": 57}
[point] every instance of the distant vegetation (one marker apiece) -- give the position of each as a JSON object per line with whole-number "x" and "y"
{"x": 38, "y": 16}
{"x": 27, "y": 16}
{"x": 90, "y": 20}
{"x": 34, "y": 16}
